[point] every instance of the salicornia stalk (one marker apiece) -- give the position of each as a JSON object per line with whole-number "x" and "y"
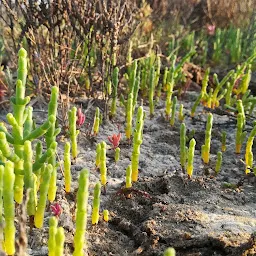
{"x": 217, "y": 46}
{"x": 67, "y": 168}
{"x": 218, "y": 87}
{"x": 60, "y": 239}
{"x": 105, "y": 215}
{"x": 136, "y": 92}
{"x": 128, "y": 180}
{"x": 207, "y": 145}
{"x": 191, "y": 151}
{"x": 81, "y": 213}
{"x": 245, "y": 81}
{"x": 129, "y": 111}
{"x": 73, "y": 133}
{"x": 240, "y": 135}
{"x": 169, "y": 93}
{"x": 39, "y": 151}
{"x": 96, "y": 122}
{"x": 151, "y": 91}
{"x": 19, "y": 103}
{"x": 46, "y": 155}
{"x": 181, "y": 115}
{"x": 28, "y": 125}
{"x": 218, "y": 162}
{"x": 209, "y": 99}
{"x": 205, "y": 84}
{"x": 98, "y": 152}
{"x": 50, "y": 137}
{"x": 132, "y": 75}
{"x": 53, "y": 223}
{"x": 248, "y": 151}
{"x": 228, "y": 95}
{"x": 240, "y": 109}
{"x": 6, "y": 150}
{"x": 29, "y": 177}
{"x": 103, "y": 164}
{"x": 195, "y": 105}
{"x": 114, "y": 92}
{"x": 9, "y": 210}
{"x": 53, "y": 180}
{"x": 169, "y": 252}
{"x": 174, "y": 103}
{"x": 137, "y": 141}
{"x": 96, "y": 203}
{"x": 39, "y": 215}
{"x": 39, "y": 131}
{"x": 117, "y": 154}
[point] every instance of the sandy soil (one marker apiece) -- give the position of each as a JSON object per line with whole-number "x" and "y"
{"x": 201, "y": 216}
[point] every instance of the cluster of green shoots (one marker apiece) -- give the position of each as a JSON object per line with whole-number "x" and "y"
{"x": 35, "y": 172}
{"x": 25, "y": 166}
{"x": 187, "y": 154}
{"x": 231, "y": 89}
{"x": 231, "y": 92}
{"x": 229, "y": 45}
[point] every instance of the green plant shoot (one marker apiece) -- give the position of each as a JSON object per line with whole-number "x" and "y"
{"x": 60, "y": 239}
{"x": 9, "y": 208}
{"x": 137, "y": 141}
{"x": 103, "y": 164}
{"x": 114, "y": 93}
{"x": 168, "y": 102}
{"x": 81, "y": 213}
{"x": 39, "y": 215}
{"x": 128, "y": 180}
{"x": 105, "y": 215}
{"x": 195, "y": 105}
{"x": 53, "y": 223}
{"x": 73, "y": 133}
{"x": 96, "y": 204}
{"x": 151, "y": 91}
{"x": 181, "y": 115}
{"x": 117, "y": 154}
{"x": 191, "y": 151}
{"x": 174, "y": 103}
{"x": 240, "y": 109}
{"x": 50, "y": 137}
{"x": 240, "y": 135}
{"x": 96, "y": 122}
{"x": 129, "y": 111}
{"x": 204, "y": 85}
{"x": 207, "y": 145}
{"x": 248, "y": 151}
{"x": 29, "y": 177}
{"x": 218, "y": 162}
{"x": 169, "y": 252}
{"x": 98, "y": 153}
{"x": 67, "y": 168}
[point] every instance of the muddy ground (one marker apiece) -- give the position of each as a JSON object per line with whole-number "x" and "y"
{"x": 202, "y": 216}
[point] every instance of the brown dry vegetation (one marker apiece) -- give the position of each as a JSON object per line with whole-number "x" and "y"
{"x": 201, "y": 12}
